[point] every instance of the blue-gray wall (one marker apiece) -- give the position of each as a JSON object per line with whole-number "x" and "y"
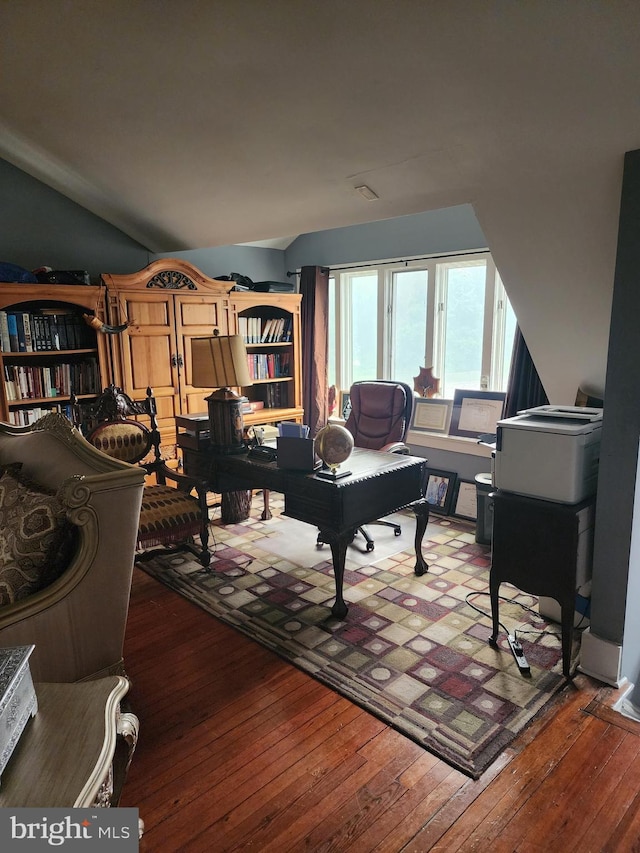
{"x": 454, "y": 229}
{"x": 616, "y": 566}
{"x": 40, "y": 227}
{"x": 256, "y": 263}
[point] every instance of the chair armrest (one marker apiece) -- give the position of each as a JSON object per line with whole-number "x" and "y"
{"x": 396, "y": 447}
{"x": 184, "y": 482}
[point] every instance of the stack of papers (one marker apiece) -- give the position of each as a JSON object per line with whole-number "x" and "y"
{"x": 293, "y": 430}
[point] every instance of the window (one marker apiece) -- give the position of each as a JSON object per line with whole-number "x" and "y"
{"x": 451, "y": 314}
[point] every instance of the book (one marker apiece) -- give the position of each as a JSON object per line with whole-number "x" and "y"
{"x": 266, "y": 329}
{"x": 13, "y": 331}
{"x": 28, "y": 339}
{"x": 22, "y": 346}
{"x": 5, "y": 343}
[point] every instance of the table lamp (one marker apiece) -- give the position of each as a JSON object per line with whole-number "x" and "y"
{"x": 220, "y": 362}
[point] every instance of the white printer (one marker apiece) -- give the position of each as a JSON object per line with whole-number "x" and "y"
{"x": 549, "y": 452}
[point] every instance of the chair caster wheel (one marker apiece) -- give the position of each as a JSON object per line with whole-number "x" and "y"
{"x": 370, "y": 546}
{"x": 397, "y": 531}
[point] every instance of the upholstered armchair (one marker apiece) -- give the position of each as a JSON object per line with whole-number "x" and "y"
{"x": 75, "y": 612}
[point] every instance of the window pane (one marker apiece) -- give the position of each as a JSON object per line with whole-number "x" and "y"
{"x": 465, "y": 287}
{"x": 364, "y": 326}
{"x": 409, "y": 325}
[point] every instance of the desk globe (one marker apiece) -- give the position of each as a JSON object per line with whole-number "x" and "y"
{"x": 333, "y": 445}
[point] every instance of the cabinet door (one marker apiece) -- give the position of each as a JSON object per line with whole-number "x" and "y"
{"x": 148, "y": 352}
{"x": 197, "y": 316}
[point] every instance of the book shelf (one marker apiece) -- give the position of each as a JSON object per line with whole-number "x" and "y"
{"x": 47, "y": 350}
{"x": 270, "y": 327}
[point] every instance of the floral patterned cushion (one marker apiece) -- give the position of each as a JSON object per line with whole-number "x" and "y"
{"x": 36, "y": 539}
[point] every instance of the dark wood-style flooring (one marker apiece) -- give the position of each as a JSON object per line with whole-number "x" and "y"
{"x": 239, "y": 750}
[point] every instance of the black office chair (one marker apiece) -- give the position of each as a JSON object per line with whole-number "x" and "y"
{"x": 379, "y": 420}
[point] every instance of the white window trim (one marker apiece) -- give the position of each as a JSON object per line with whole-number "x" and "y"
{"x": 494, "y": 315}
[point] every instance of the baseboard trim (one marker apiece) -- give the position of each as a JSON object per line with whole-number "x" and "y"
{"x": 601, "y": 659}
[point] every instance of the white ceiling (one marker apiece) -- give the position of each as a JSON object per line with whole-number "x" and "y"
{"x": 199, "y": 123}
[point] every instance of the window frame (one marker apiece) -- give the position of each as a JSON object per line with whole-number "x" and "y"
{"x": 494, "y": 322}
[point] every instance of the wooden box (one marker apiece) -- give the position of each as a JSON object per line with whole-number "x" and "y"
{"x": 18, "y": 702}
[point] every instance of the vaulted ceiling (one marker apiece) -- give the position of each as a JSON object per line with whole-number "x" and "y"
{"x": 199, "y": 123}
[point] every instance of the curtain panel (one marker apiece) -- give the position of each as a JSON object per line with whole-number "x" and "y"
{"x": 314, "y": 287}
{"x": 524, "y": 388}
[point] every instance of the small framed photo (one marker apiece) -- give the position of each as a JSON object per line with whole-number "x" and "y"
{"x": 464, "y": 504}
{"x": 345, "y": 404}
{"x": 440, "y": 489}
{"x": 430, "y": 415}
{"x": 476, "y": 413}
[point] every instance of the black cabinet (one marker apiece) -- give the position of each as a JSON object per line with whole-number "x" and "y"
{"x": 543, "y": 548}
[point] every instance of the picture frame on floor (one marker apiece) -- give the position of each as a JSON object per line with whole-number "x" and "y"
{"x": 465, "y": 504}
{"x": 440, "y": 489}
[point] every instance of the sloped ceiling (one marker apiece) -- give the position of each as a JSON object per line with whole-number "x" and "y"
{"x": 196, "y": 124}
{"x": 205, "y": 123}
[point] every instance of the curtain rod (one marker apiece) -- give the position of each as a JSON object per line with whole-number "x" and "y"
{"x": 400, "y": 261}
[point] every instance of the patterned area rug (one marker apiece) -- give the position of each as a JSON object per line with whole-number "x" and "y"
{"x": 412, "y": 650}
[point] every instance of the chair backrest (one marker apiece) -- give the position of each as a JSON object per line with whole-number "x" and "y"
{"x": 109, "y": 426}
{"x": 380, "y": 412}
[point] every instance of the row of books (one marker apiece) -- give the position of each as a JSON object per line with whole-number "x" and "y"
{"x": 256, "y": 330}
{"x": 269, "y": 365}
{"x": 25, "y": 382}
{"x": 250, "y": 406}
{"x": 24, "y": 417}
{"x": 24, "y": 331}
{"x": 276, "y": 396}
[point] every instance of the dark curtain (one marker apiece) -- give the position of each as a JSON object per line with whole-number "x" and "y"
{"x": 314, "y": 287}
{"x": 524, "y": 389}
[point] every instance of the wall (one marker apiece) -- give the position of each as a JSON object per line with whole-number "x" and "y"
{"x": 453, "y": 229}
{"x": 614, "y": 616}
{"x": 256, "y": 263}
{"x": 40, "y": 227}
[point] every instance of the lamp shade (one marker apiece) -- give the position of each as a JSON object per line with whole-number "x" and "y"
{"x": 219, "y": 362}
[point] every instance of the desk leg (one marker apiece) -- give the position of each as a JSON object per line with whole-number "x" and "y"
{"x": 338, "y": 543}
{"x": 421, "y": 510}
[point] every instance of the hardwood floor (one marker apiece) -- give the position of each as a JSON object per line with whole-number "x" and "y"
{"x": 239, "y": 750}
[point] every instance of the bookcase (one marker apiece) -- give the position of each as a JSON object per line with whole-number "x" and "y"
{"x": 168, "y": 303}
{"x": 47, "y": 349}
{"x": 270, "y": 326}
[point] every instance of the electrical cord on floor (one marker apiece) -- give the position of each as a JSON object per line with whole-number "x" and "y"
{"x": 537, "y": 632}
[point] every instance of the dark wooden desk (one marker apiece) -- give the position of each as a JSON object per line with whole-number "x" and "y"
{"x": 379, "y": 484}
{"x": 543, "y": 548}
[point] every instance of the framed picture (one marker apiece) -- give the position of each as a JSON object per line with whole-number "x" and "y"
{"x": 476, "y": 413}
{"x": 345, "y": 404}
{"x": 431, "y": 415}
{"x": 464, "y": 504}
{"x": 440, "y": 489}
